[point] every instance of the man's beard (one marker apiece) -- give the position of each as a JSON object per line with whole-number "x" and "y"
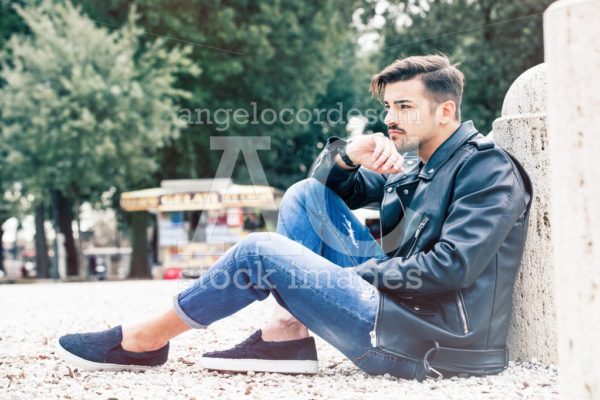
{"x": 406, "y": 145}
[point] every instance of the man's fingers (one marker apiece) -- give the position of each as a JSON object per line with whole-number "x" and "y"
{"x": 391, "y": 162}
{"x": 394, "y": 163}
{"x": 385, "y": 157}
{"x": 385, "y": 154}
{"x": 381, "y": 159}
{"x": 379, "y": 145}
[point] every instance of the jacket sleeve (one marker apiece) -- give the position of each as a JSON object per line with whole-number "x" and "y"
{"x": 357, "y": 187}
{"x": 488, "y": 199}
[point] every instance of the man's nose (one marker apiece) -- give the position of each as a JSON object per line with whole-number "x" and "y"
{"x": 391, "y": 118}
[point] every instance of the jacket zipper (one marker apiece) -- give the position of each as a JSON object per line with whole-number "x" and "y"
{"x": 462, "y": 311}
{"x": 373, "y": 333}
{"x": 415, "y": 239}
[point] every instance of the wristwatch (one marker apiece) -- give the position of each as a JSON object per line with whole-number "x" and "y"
{"x": 341, "y": 151}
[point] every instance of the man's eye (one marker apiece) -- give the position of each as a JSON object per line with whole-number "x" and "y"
{"x": 404, "y": 106}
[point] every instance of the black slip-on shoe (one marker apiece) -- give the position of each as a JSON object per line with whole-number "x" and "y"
{"x": 102, "y": 351}
{"x": 254, "y": 354}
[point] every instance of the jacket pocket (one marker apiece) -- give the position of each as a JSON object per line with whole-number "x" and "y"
{"x": 420, "y": 306}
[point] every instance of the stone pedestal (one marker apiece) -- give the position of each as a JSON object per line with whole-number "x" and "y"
{"x": 522, "y": 130}
{"x": 572, "y": 51}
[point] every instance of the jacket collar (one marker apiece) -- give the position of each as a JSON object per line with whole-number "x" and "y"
{"x": 465, "y": 131}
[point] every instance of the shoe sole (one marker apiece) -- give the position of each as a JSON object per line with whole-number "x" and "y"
{"x": 258, "y": 365}
{"x": 95, "y": 366}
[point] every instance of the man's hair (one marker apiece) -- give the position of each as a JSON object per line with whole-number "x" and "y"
{"x": 442, "y": 80}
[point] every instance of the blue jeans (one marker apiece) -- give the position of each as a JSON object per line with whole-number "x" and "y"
{"x": 303, "y": 267}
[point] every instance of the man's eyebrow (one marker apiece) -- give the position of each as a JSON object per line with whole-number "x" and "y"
{"x": 403, "y": 101}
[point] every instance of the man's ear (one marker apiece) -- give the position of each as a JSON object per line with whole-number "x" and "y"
{"x": 448, "y": 111}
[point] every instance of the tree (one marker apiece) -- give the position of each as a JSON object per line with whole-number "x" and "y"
{"x": 277, "y": 54}
{"x": 85, "y": 109}
{"x": 10, "y": 23}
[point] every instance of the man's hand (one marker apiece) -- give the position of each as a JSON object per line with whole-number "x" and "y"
{"x": 375, "y": 152}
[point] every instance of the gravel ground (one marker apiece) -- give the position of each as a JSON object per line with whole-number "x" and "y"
{"x": 33, "y": 316}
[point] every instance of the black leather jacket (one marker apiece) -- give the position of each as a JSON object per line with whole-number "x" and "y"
{"x": 454, "y": 230}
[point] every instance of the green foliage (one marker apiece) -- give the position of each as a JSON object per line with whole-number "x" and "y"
{"x": 85, "y": 109}
{"x": 278, "y": 54}
{"x": 10, "y": 22}
{"x": 494, "y": 41}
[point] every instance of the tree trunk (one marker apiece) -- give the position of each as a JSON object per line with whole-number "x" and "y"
{"x": 154, "y": 248}
{"x": 41, "y": 245}
{"x": 140, "y": 267}
{"x": 65, "y": 224}
{"x": 83, "y": 273}
{"x": 1, "y": 248}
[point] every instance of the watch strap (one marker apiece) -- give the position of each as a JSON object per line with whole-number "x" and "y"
{"x": 346, "y": 159}
{"x": 339, "y": 148}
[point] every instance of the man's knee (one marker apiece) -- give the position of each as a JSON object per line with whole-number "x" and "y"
{"x": 261, "y": 243}
{"x": 295, "y": 193}
{"x": 268, "y": 244}
{"x": 254, "y": 239}
{"x": 301, "y": 190}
